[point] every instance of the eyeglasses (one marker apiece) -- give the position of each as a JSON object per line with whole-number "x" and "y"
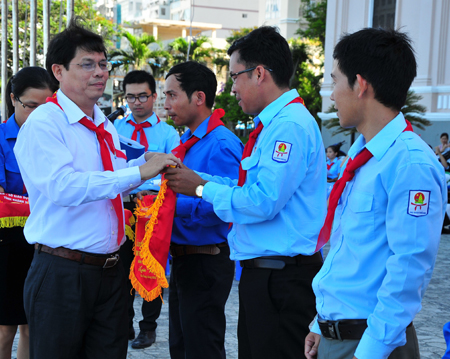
{"x": 32, "y": 107}
{"x": 234, "y": 75}
{"x": 90, "y": 66}
{"x": 141, "y": 98}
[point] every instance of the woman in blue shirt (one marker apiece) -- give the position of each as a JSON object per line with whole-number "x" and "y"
{"x": 333, "y": 165}
{"x": 25, "y": 91}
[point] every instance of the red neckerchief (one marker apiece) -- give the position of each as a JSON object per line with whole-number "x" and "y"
{"x": 352, "y": 165}
{"x": 139, "y": 127}
{"x": 214, "y": 121}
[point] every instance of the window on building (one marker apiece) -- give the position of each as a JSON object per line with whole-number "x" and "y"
{"x": 384, "y": 14}
{"x": 244, "y": 16}
{"x": 130, "y": 6}
{"x": 163, "y": 11}
{"x": 272, "y": 9}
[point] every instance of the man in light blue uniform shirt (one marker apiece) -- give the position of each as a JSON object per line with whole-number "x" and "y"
{"x": 388, "y": 220}
{"x": 278, "y": 209}
{"x": 143, "y": 126}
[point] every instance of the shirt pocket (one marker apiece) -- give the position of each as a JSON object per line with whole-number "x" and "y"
{"x": 152, "y": 147}
{"x": 251, "y": 161}
{"x": 360, "y": 219}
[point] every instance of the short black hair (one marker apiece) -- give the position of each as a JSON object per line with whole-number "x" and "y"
{"x": 265, "y": 46}
{"x": 383, "y": 57}
{"x": 194, "y": 76}
{"x": 444, "y": 134}
{"x": 63, "y": 47}
{"x": 29, "y": 77}
{"x": 139, "y": 77}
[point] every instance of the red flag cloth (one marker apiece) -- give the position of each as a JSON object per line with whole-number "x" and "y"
{"x": 106, "y": 143}
{"x": 14, "y": 210}
{"x": 148, "y": 270}
{"x": 129, "y": 222}
{"x": 349, "y": 172}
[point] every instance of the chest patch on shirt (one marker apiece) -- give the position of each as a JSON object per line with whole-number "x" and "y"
{"x": 281, "y": 151}
{"x": 418, "y": 203}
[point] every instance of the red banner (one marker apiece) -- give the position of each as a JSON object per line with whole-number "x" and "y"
{"x": 14, "y": 210}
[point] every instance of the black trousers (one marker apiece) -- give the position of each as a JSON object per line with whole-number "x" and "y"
{"x": 75, "y": 310}
{"x": 150, "y": 310}
{"x": 275, "y": 310}
{"x": 198, "y": 290}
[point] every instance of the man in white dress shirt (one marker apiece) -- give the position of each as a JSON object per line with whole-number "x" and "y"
{"x": 69, "y": 156}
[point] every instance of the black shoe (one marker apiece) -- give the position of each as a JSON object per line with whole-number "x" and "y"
{"x": 445, "y": 230}
{"x": 144, "y": 340}
{"x": 131, "y": 334}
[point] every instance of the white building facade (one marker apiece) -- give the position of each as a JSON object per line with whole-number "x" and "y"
{"x": 427, "y": 24}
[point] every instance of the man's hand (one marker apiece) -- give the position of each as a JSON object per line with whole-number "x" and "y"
{"x": 140, "y": 195}
{"x": 183, "y": 180}
{"x": 149, "y": 155}
{"x": 156, "y": 164}
{"x": 312, "y": 341}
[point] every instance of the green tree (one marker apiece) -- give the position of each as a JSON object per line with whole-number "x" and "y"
{"x": 315, "y": 14}
{"x": 200, "y": 50}
{"x": 139, "y": 53}
{"x": 412, "y": 111}
{"x": 233, "y": 113}
{"x": 83, "y": 9}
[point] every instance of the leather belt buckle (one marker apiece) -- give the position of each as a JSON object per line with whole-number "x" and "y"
{"x": 111, "y": 262}
{"x": 330, "y": 329}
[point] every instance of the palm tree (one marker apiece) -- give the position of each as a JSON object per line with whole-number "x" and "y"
{"x": 178, "y": 48}
{"x": 137, "y": 57}
{"x": 412, "y": 111}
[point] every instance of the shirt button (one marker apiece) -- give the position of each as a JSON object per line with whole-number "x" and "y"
{"x": 112, "y": 232}
{"x": 131, "y": 185}
{"x": 106, "y": 197}
{"x": 112, "y": 207}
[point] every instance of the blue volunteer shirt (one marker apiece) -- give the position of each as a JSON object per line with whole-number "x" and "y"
{"x": 161, "y": 137}
{"x": 10, "y": 177}
{"x": 384, "y": 239}
{"x": 217, "y": 153}
{"x": 281, "y": 207}
{"x": 333, "y": 172}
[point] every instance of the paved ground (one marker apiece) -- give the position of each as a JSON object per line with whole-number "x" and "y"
{"x": 429, "y": 322}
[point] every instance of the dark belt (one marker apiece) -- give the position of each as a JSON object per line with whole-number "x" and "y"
{"x": 279, "y": 262}
{"x": 105, "y": 261}
{"x": 177, "y": 250}
{"x": 343, "y": 329}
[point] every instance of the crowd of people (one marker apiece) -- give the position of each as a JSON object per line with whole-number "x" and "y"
{"x": 264, "y": 205}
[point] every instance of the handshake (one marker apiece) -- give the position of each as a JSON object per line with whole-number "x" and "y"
{"x": 181, "y": 179}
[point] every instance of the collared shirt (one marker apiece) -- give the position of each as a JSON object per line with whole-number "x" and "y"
{"x": 161, "y": 137}
{"x": 217, "y": 153}
{"x": 69, "y": 190}
{"x": 281, "y": 207}
{"x": 384, "y": 239}
{"x": 335, "y": 167}
{"x": 10, "y": 178}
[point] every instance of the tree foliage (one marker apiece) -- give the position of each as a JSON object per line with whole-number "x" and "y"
{"x": 200, "y": 50}
{"x": 82, "y": 8}
{"x": 140, "y": 55}
{"x": 315, "y": 14}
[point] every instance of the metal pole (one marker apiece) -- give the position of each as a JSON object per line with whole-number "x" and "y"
{"x": 46, "y": 25}
{"x": 25, "y": 45}
{"x": 69, "y": 11}
{"x": 4, "y": 56}
{"x": 15, "y": 19}
{"x": 33, "y": 12}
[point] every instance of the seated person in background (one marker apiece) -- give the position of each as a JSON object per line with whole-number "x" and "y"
{"x": 444, "y": 146}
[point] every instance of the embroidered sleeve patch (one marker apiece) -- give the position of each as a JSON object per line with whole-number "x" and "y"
{"x": 418, "y": 203}
{"x": 281, "y": 151}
